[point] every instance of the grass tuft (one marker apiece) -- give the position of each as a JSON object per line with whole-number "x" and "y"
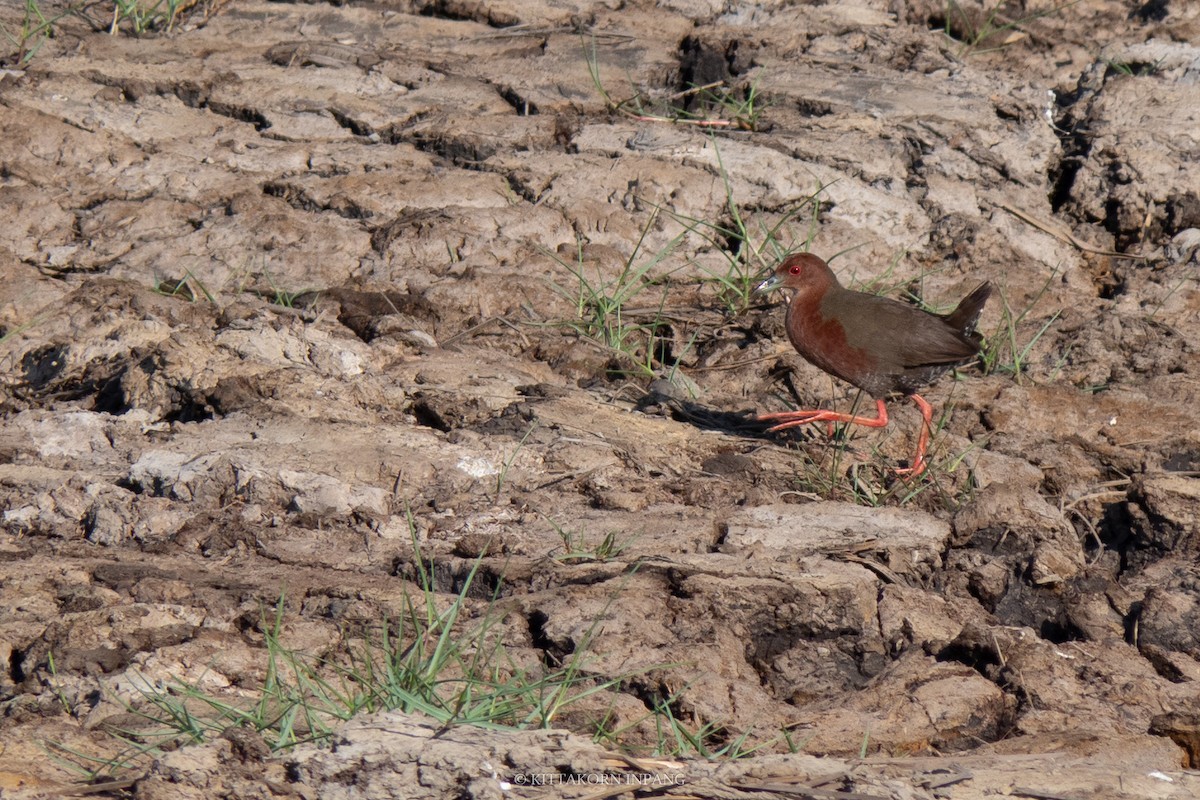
{"x": 35, "y": 29}
{"x": 576, "y": 549}
{"x": 432, "y": 660}
{"x": 601, "y": 301}
{"x": 183, "y": 288}
{"x": 675, "y": 737}
{"x": 1133, "y": 69}
{"x": 140, "y": 17}
{"x": 750, "y": 247}
{"x": 1005, "y": 351}
{"x": 991, "y": 32}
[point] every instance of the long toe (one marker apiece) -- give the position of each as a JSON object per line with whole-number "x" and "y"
{"x": 911, "y": 472}
{"x": 789, "y": 415}
{"x": 798, "y": 421}
{"x": 790, "y": 419}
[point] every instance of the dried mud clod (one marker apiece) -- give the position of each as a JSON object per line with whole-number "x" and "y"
{"x": 341, "y": 337}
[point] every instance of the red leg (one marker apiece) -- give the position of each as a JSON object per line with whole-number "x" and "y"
{"x": 791, "y": 419}
{"x": 918, "y": 464}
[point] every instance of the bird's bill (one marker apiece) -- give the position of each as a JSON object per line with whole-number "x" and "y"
{"x": 769, "y": 285}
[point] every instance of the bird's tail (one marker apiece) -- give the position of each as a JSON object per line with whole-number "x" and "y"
{"x": 964, "y": 317}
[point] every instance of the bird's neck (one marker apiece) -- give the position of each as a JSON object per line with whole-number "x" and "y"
{"x": 817, "y": 291}
{"x": 807, "y": 310}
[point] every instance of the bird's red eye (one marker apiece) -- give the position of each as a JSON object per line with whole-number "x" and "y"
{"x": 794, "y": 269}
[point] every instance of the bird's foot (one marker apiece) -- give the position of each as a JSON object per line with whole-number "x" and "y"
{"x": 911, "y": 472}
{"x": 791, "y": 419}
{"x": 919, "y": 461}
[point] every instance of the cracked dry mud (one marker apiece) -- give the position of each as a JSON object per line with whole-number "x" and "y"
{"x": 181, "y": 450}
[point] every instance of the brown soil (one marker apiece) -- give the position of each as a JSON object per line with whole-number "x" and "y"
{"x": 179, "y": 450}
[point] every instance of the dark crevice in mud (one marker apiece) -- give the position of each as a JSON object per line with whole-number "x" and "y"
{"x": 1015, "y": 601}
{"x": 516, "y": 422}
{"x": 712, "y": 67}
{"x": 455, "y": 576}
{"x": 1187, "y": 460}
{"x": 1162, "y": 665}
{"x": 1110, "y": 290}
{"x": 973, "y": 652}
{"x": 1093, "y": 549}
{"x": 870, "y": 664}
{"x": 104, "y": 382}
{"x": 109, "y": 396}
{"x": 468, "y": 153}
{"x": 129, "y": 485}
{"x": 1131, "y": 621}
{"x": 939, "y": 23}
{"x": 429, "y": 417}
{"x": 554, "y": 654}
{"x": 488, "y": 583}
{"x": 16, "y": 672}
{"x": 657, "y": 698}
{"x": 733, "y": 241}
{"x": 1151, "y": 11}
{"x": 402, "y": 132}
{"x": 1183, "y": 212}
{"x": 1115, "y": 530}
{"x": 291, "y": 195}
{"x": 66, "y": 270}
{"x": 44, "y": 365}
{"x": 102, "y": 199}
{"x": 1071, "y": 127}
{"x": 1043, "y": 610}
{"x": 188, "y": 92}
{"x": 521, "y": 189}
{"x": 242, "y": 114}
{"x": 675, "y": 585}
{"x": 813, "y": 108}
{"x": 996, "y": 541}
{"x": 298, "y": 199}
{"x": 370, "y": 314}
{"x": 523, "y": 107}
{"x": 183, "y": 402}
{"x": 1113, "y": 206}
{"x": 1060, "y": 631}
{"x": 722, "y": 534}
{"x": 357, "y": 127}
{"x": 46, "y": 381}
{"x": 190, "y": 410}
{"x": 1062, "y": 176}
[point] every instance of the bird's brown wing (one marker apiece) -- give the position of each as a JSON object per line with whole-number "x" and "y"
{"x": 900, "y": 337}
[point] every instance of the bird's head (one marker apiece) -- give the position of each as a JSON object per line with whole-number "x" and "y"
{"x": 800, "y": 271}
